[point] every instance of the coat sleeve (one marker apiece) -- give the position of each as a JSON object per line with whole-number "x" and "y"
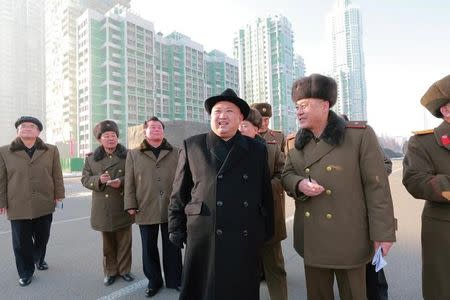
{"x": 89, "y": 180}
{"x": 419, "y": 175}
{"x": 58, "y": 181}
{"x": 376, "y": 189}
{"x": 290, "y": 179}
{"x": 388, "y": 165}
{"x": 3, "y": 184}
{"x": 181, "y": 193}
{"x": 267, "y": 201}
{"x": 130, "y": 199}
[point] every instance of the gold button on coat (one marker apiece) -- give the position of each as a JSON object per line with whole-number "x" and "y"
{"x": 328, "y": 216}
{"x": 307, "y": 214}
{"x": 328, "y": 192}
{"x": 329, "y": 168}
{"x": 106, "y": 195}
{"x": 307, "y": 170}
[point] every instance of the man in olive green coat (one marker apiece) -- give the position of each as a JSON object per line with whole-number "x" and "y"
{"x": 31, "y": 184}
{"x": 271, "y": 136}
{"x": 426, "y": 175}
{"x": 271, "y": 252}
{"x": 343, "y": 202}
{"x": 103, "y": 173}
{"x": 150, "y": 171}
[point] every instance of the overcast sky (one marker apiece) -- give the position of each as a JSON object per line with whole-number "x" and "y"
{"x": 406, "y": 44}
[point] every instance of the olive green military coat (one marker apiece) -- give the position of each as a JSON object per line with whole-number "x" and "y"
{"x": 107, "y": 212}
{"x": 29, "y": 186}
{"x": 274, "y": 136}
{"x": 276, "y": 163}
{"x": 336, "y": 229}
{"x": 149, "y": 180}
{"x": 426, "y": 175}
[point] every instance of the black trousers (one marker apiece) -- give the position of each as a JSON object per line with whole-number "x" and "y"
{"x": 377, "y": 287}
{"x": 150, "y": 257}
{"x": 29, "y": 239}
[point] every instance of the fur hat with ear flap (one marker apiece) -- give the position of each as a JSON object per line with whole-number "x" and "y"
{"x": 105, "y": 126}
{"x": 437, "y": 95}
{"x": 315, "y": 86}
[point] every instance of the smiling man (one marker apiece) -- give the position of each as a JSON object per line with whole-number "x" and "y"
{"x": 343, "y": 202}
{"x": 31, "y": 183}
{"x": 222, "y": 206}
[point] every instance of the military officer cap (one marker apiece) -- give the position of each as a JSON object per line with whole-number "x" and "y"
{"x": 265, "y": 109}
{"x": 230, "y": 96}
{"x": 254, "y": 117}
{"x": 315, "y": 86}
{"x": 105, "y": 126}
{"x": 29, "y": 119}
{"x": 437, "y": 95}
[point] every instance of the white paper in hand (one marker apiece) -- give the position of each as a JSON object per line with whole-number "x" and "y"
{"x": 378, "y": 260}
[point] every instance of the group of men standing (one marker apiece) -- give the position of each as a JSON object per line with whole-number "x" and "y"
{"x": 222, "y": 196}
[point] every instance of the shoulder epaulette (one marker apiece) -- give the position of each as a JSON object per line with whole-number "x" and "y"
{"x": 274, "y": 132}
{"x": 290, "y": 142}
{"x": 421, "y": 132}
{"x": 356, "y": 124}
{"x": 290, "y": 136}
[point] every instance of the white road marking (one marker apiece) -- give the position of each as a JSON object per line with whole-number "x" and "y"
{"x": 142, "y": 284}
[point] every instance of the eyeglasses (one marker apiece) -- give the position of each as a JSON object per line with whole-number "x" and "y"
{"x": 24, "y": 126}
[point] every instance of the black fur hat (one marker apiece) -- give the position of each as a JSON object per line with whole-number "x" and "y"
{"x": 33, "y": 120}
{"x": 105, "y": 126}
{"x": 315, "y": 86}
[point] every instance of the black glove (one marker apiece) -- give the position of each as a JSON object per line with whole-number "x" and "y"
{"x": 178, "y": 238}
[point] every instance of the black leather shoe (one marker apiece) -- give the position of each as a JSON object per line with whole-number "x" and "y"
{"x": 42, "y": 266}
{"x": 109, "y": 280}
{"x": 151, "y": 292}
{"x": 127, "y": 277}
{"x": 25, "y": 281}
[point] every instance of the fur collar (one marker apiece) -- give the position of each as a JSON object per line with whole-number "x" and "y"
{"x": 100, "y": 152}
{"x": 18, "y": 145}
{"x": 333, "y": 133}
{"x": 145, "y": 146}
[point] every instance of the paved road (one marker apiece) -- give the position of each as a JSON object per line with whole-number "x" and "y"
{"x": 74, "y": 255}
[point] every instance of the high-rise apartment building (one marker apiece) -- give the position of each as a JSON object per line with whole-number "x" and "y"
{"x": 222, "y": 72}
{"x": 127, "y": 73}
{"x": 22, "y": 63}
{"x": 299, "y": 67}
{"x": 61, "y": 68}
{"x": 265, "y": 53}
{"x": 347, "y": 66}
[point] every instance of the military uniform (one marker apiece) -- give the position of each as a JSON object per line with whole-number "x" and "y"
{"x": 426, "y": 175}
{"x": 107, "y": 212}
{"x": 274, "y": 136}
{"x": 271, "y": 252}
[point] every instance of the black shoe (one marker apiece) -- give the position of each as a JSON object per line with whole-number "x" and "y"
{"x": 127, "y": 277}
{"x": 42, "y": 266}
{"x": 25, "y": 281}
{"x": 109, "y": 280}
{"x": 150, "y": 292}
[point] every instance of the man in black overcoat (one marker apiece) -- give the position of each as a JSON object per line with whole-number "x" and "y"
{"x": 221, "y": 206}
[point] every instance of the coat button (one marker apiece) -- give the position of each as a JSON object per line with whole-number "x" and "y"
{"x": 219, "y": 232}
{"x": 220, "y": 176}
{"x": 106, "y": 195}
{"x": 110, "y": 156}
{"x": 328, "y": 216}
{"x": 307, "y": 214}
{"x": 307, "y": 170}
{"x": 328, "y": 192}
{"x": 161, "y": 193}
{"x": 245, "y": 176}
{"x": 245, "y": 203}
{"x": 120, "y": 171}
{"x": 92, "y": 184}
{"x": 219, "y": 203}
{"x": 329, "y": 168}
{"x": 245, "y": 232}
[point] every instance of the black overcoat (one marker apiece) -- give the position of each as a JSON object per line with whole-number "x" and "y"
{"x": 226, "y": 209}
